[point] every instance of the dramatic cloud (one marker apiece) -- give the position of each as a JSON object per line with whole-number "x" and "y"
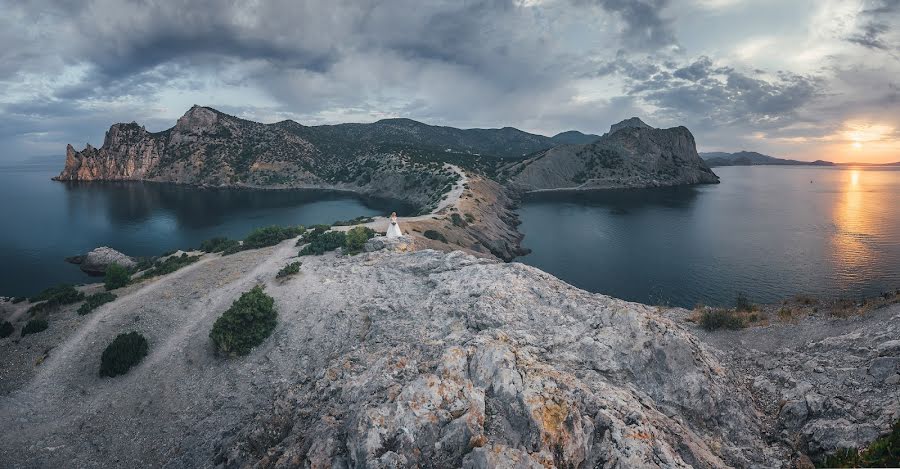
{"x": 777, "y": 77}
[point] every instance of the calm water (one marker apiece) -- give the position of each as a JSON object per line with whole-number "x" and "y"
{"x": 767, "y": 231}
{"x": 46, "y": 221}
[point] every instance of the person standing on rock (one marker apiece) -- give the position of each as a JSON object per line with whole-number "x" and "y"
{"x": 393, "y": 230}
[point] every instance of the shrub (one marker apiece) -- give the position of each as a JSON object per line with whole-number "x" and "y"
{"x": 323, "y": 243}
{"x": 290, "y": 269}
{"x": 356, "y": 238}
{"x": 883, "y": 452}
{"x": 125, "y": 351}
{"x": 354, "y": 221}
{"x": 60, "y": 295}
{"x": 218, "y": 244}
{"x": 270, "y": 236}
{"x": 435, "y": 235}
{"x": 116, "y": 277}
{"x": 95, "y": 301}
{"x": 6, "y": 329}
{"x": 715, "y": 318}
{"x": 742, "y": 302}
{"x": 246, "y": 324}
{"x": 34, "y": 326}
{"x": 458, "y": 220}
{"x": 470, "y": 218}
{"x": 169, "y": 265}
{"x": 18, "y": 299}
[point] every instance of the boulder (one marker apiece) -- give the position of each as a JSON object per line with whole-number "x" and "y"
{"x": 96, "y": 261}
{"x": 399, "y": 244}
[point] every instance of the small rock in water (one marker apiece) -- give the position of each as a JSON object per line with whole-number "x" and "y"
{"x": 96, "y": 261}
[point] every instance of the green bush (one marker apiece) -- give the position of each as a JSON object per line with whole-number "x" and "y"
{"x": 458, "y": 220}
{"x": 883, "y": 452}
{"x": 324, "y": 242}
{"x": 715, "y": 318}
{"x": 290, "y": 269}
{"x": 354, "y": 221}
{"x": 6, "y": 329}
{"x": 169, "y": 265}
{"x": 95, "y": 301}
{"x": 125, "y": 351}
{"x": 116, "y": 277}
{"x": 435, "y": 235}
{"x": 53, "y": 297}
{"x": 218, "y": 244}
{"x": 470, "y": 218}
{"x": 270, "y": 236}
{"x": 356, "y": 238}
{"x": 18, "y": 299}
{"x": 61, "y": 295}
{"x": 34, "y": 326}
{"x": 742, "y": 302}
{"x": 246, "y": 324}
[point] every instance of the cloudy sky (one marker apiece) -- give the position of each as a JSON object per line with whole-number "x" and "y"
{"x": 794, "y": 78}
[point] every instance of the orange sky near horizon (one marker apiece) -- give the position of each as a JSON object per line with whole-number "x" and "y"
{"x": 857, "y": 141}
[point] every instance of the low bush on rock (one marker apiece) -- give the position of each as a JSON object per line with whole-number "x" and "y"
{"x": 470, "y": 218}
{"x": 125, "y": 351}
{"x": 246, "y": 324}
{"x": 95, "y": 301}
{"x": 356, "y": 238}
{"x": 742, "y": 302}
{"x": 34, "y": 326}
{"x": 270, "y": 236}
{"x": 219, "y": 244}
{"x": 354, "y": 221}
{"x": 288, "y": 270}
{"x": 717, "y": 318}
{"x": 54, "y": 297}
{"x": 6, "y": 329}
{"x": 883, "y": 452}
{"x": 18, "y": 299}
{"x": 458, "y": 220}
{"x": 169, "y": 265}
{"x": 435, "y": 235}
{"x": 116, "y": 277}
{"x": 323, "y": 242}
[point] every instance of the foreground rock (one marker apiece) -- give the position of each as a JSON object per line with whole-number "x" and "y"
{"x": 399, "y": 244}
{"x": 96, "y": 261}
{"x": 382, "y": 359}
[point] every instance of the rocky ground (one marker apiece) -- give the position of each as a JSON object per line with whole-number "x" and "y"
{"x": 389, "y": 359}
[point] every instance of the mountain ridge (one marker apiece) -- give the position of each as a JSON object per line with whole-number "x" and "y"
{"x": 752, "y": 158}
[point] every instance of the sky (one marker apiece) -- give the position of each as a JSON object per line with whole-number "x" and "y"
{"x": 801, "y": 79}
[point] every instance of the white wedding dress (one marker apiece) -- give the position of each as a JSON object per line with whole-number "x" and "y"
{"x": 393, "y": 230}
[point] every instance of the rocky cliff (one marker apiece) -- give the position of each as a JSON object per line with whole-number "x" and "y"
{"x": 207, "y": 147}
{"x": 431, "y": 359}
{"x": 631, "y": 155}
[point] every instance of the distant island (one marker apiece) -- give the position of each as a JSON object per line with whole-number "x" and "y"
{"x": 752, "y": 158}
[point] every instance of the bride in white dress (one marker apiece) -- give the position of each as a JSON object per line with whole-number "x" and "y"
{"x": 393, "y": 230}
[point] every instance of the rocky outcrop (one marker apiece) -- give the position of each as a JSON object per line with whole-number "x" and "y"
{"x": 398, "y": 244}
{"x": 96, "y": 261}
{"x": 631, "y": 155}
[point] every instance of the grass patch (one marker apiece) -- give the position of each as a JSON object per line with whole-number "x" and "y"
{"x": 95, "y": 301}
{"x": 125, "y": 351}
{"x": 354, "y": 221}
{"x": 288, "y": 270}
{"x": 883, "y": 452}
{"x": 356, "y": 238}
{"x": 169, "y": 265}
{"x": 435, "y": 235}
{"x": 34, "y": 326}
{"x": 6, "y": 329}
{"x": 246, "y": 324}
{"x": 116, "y": 277}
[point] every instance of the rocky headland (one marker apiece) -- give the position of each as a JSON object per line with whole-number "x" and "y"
{"x": 418, "y": 164}
{"x": 428, "y": 358}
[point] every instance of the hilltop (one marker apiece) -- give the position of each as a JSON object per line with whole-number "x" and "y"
{"x": 752, "y": 158}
